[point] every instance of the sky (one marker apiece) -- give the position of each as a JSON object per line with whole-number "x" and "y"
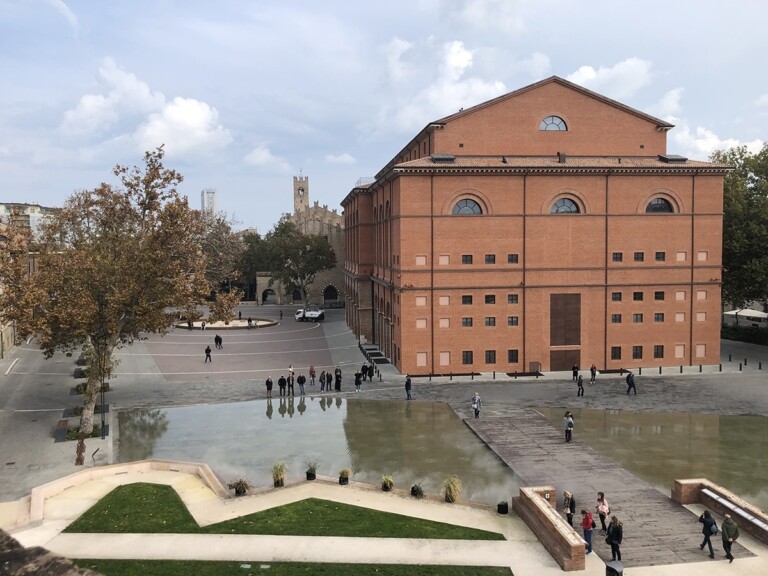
{"x": 244, "y": 95}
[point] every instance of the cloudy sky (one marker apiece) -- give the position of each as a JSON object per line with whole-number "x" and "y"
{"x": 246, "y": 94}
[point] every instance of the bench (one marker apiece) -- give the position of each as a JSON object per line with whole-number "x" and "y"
{"x": 60, "y": 432}
{"x": 724, "y": 505}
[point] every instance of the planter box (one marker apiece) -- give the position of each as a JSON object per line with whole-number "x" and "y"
{"x": 311, "y": 476}
{"x": 343, "y": 480}
{"x": 502, "y": 508}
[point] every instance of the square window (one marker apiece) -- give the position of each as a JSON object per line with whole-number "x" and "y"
{"x": 661, "y": 256}
{"x": 421, "y": 358}
{"x": 637, "y": 352}
{"x": 444, "y": 259}
{"x": 681, "y": 256}
{"x": 511, "y": 298}
{"x": 679, "y": 316}
{"x": 490, "y": 299}
{"x": 658, "y": 351}
{"x": 512, "y": 259}
{"x": 637, "y": 296}
{"x": 701, "y": 295}
{"x": 637, "y": 318}
{"x": 512, "y": 356}
{"x": 490, "y": 356}
{"x": 658, "y": 295}
{"x": 702, "y": 255}
{"x": 639, "y": 256}
{"x": 618, "y": 257}
{"x": 466, "y": 357}
{"x": 512, "y": 320}
{"x": 615, "y": 318}
{"x": 616, "y": 296}
{"x": 421, "y": 322}
{"x": 445, "y": 358}
{"x": 466, "y": 322}
{"x": 490, "y": 321}
{"x": 490, "y": 258}
{"x": 466, "y": 258}
{"x": 679, "y": 295}
{"x": 421, "y": 260}
{"x": 701, "y": 350}
{"x": 615, "y": 352}
{"x": 421, "y": 300}
{"x": 658, "y": 316}
{"x": 445, "y": 323}
{"x": 466, "y": 299}
{"x": 445, "y": 300}
{"x": 679, "y": 350}
{"x": 701, "y": 316}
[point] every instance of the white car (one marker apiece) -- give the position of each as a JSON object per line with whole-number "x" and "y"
{"x": 312, "y": 314}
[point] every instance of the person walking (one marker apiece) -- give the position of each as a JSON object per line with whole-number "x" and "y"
{"x": 312, "y": 374}
{"x": 592, "y": 374}
{"x": 408, "y": 387}
{"x": 615, "y": 534}
{"x": 281, "y": 382}
{"x": 730, "y": 532}
{"x": 364, "y": 371}
{"x": 602, "y": 510}
{"x": 250, "y": 322}
{"x": 301, "y": 381}
{"x": 575, "y": 371}
{"x": 337, "y": 383}
{"x": 291, "y": 381}
{"x": 358, "y": 381}
{"x": 631, "y": 383}
{"x": 207, "y": 355}
{"x": 569, "y": 506}
{"x": 476, "y": 404}
{"x": 568, "y": 425}
{"x": 202, "y": 325}
{"x": 239, "y": 314}
{"x": 269, "y": 386}
{"x": 580, "y": 382}
{"x": 281, "y": 314}
{"x": 587, "y": 525}
{"x": 322, "y": 381}
{"x": 709, "y": 529}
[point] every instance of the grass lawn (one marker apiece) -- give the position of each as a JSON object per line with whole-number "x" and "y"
{"x": 155, "y": 508}
{"x": 185, "y": 568}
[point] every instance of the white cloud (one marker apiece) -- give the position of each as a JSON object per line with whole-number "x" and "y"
{"x": 701, "y": 142}
{"x": 263, "y": 158}
{"x": 669, "y": 105}
{"x": 762, "y": 102}
{"x": 501, "y": 15}
{"x": 537, "y": 66}
{"x": 69, "y": 16}
{"x": 619, "y": 82}
{"x": 394, "y": 51}
{"x": 340, "y": 159}
{"x": 183, "y": 125}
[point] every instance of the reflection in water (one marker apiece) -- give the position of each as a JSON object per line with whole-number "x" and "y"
{"x": 413, "y": 441}
{"x": 660, "y": 447}
{"x": 141, "y": 429}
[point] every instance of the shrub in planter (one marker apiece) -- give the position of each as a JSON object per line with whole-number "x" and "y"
{"x": 452, "y": 488}
{"x": 344, "y": 475}
{"x": 502, "y": 507}
{"x": 312, "y": 470}
{"x": 417, "y": 491}
{"x": 278, "y": 474}
{"x": 240, "y": 486}
{"x": 387, "y": 482}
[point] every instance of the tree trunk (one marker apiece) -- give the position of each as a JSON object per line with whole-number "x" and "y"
{"x": 89, "y": 402}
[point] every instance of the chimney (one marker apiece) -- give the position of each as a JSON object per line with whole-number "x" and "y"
{"x": 561, "y": 157}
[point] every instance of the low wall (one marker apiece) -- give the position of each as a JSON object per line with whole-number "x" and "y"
{"x": 749, "y": 518}
{"x": 539, "y": 514}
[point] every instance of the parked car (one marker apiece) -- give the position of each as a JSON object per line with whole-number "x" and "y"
{"x": 311, "y": 314}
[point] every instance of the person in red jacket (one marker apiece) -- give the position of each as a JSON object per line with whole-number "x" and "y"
{"x": 587, "y": 524}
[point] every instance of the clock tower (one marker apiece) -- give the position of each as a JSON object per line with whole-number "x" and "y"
{"x": 300, "y": 193}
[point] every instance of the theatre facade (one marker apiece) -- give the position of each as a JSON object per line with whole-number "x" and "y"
{"x": 545, "y": 228}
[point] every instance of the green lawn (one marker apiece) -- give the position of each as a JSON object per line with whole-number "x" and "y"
{"x": 155, "y": 508}
{"x": 185, "y": 568}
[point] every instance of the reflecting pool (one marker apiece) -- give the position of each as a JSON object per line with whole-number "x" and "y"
{"x": 413, "y": 441}
{"x": 660, "y": 447}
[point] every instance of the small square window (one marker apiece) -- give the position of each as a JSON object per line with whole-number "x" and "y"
{"x": 658, "y": 295}
{"x": 615, "y": 352}
{"x": 679, "y": 316}
{"x": 637, "y": 318}
{"x": 421, "y": 322}
{"x": 445, "y": 358}
{"x": 490, "y": 299}
{"x": 420, "y": 260}
{"x": 445, "y": 322}
{"x": 511, "y": 298}
{"x": 512, "y": 259}
{"x": 616, "y": 296}
{"x": 490, "y": 321}
{"x": 490, "y": 356}
{"x": 615, "y": 318}
{"x": 444, "y": 300}
{"x": 466, "y": 258}
{"x": 512, "y": 320}
{"x": 466, "y": 357}
{"x": 658, "y": 316}
{"x": 444, "y": 259}
{"x": 637, "y": 296}
{"x": 658, "y": 351}
{"x": 702, "y": 255}
{"x": 421, "y": 358}
{"x": 466, "y": 322}
{"x": 421, "y": 300}
{"x": 679, "y": 295}
{"x": 490, "y": 258}
{"x": 618, "y": 257}
{"x": 466, "y": 299}
{"x": 679, "y": 350}
{"x": 680, "y": 256}
{"x": 637, "y": 352}
{"x": 701, "y": 350}
{"x": 701, "y": 316}
{"x": 512, "y": 356}
{"x": 661, "y": 256}
{"x": 639, "y": 256}
{"x": 701, "y": 295}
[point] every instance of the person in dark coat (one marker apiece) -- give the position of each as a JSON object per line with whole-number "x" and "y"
{"x": 569, "y": 506}
{"x": 730, "y": 532}
{"x": 207, "y": 355}
{"x": 592, "y": 374}
{"x": 281, "y": 382}
{"x": 408, "y": 388}
{"x": 301, "y": 380}
{"x": 615, "y": 534}
{"x": 575, "y": 371}
{"x": 269, "y": 386}
{"x": 358, "y": 381}
{"x": 631, "y": 383}
{"x": 364, "y": 371}
{"x": 337, "y": 383}
{"x": 580, "y": 382}
{"x": 708, "y": 522}
{"x": 290, "y": 380}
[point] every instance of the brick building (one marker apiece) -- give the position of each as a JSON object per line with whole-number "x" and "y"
{"x": 543, "y": 228}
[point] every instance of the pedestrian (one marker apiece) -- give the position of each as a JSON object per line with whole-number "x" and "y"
{"x": 207, "y": 355}
{"x": 603, "y": 510}
{"x": 709, "y": 529}
{"x": 592, "y": 374}
{"x": 291, "y": 381}
{"x": 569, "y": 506}
{"x": 568, "y": 425}
{"x": 189, "y": 325}
{"x": 250, "y": 323}
{"x": 730, "y": 532}
{"x": 281, "y": 382}
{"x": 364, "y": 371}
{"x": 202, "y": 325}
{"x": 631, "y": 383}
{"x": 281, "y": 314}
{"x": 587, "y": 525}
{"x": 322, "y": 381}
{"x": 575, "y": 371}
{"x": 312, "y": 374}
{"x": 615, "y": 534}
{"x": 290, "y": 369}
{"x": 358, "y": 381}
{"x": 580, "y": 382}
{"x": 239, "y": 314}
{"x": 301, "y": 380}
{"x": 476, "y": 404}
{"x": 337, "y": 383}
{"x": 217, "y": 342}
{"x": 370, "y": 372}
{"x": 408, "y": 387}
{"x": 269, "y": 386}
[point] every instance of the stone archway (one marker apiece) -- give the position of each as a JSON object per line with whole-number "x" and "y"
{"x": 330, "y": 296}
{"x": 296, "y": 296}
{"x": 269, "y": 296}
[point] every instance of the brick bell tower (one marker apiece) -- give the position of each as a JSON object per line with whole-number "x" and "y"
{"x": 300, "y": 193}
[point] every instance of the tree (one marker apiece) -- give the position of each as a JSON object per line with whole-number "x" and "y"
{"x": 745, "y": 226}
{"x": 108, "y": 266}
{"x": 223, "y": 250}
{"x": 295, "y": 258}
{"x": 252, "y": 261}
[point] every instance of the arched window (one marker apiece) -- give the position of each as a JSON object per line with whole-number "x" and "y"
{"x": 565, "y": 206}
{"x": 660, "y": 205}
{"x": 466, "y": 206}
{"x": 553, "y": 123}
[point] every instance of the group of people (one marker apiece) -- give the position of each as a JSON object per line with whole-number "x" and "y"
{"x": 286, "y": 382}
{"x": 579, "y": 380}
{"x": 614, "y": 530}
{"x": 729, "y": 533}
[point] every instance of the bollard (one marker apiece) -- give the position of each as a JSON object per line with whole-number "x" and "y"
{"x": 515, "y": 374}
{"x": 494, "y": 374}
{"x": 659, "y": 370}
{"x": 430, "y": 376}
{"x": 699, "y": 367}
{"x": 472, "y": 376}
{"x": 729, "y": 357}
{"x": 721, "y": 367}
{"x": 640, "y": 371}
{"x": 681, "y": 368}
{"x": 451, "y": 378}
{"x": 739, "y": 366}
{"x": 379, "y": 375}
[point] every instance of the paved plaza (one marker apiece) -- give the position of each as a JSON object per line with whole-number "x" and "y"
{"x": 170, "y": 371}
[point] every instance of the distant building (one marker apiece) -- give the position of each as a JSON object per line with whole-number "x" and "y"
{"x": 30, "y": 215}
{"x": 208, "y": 201}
